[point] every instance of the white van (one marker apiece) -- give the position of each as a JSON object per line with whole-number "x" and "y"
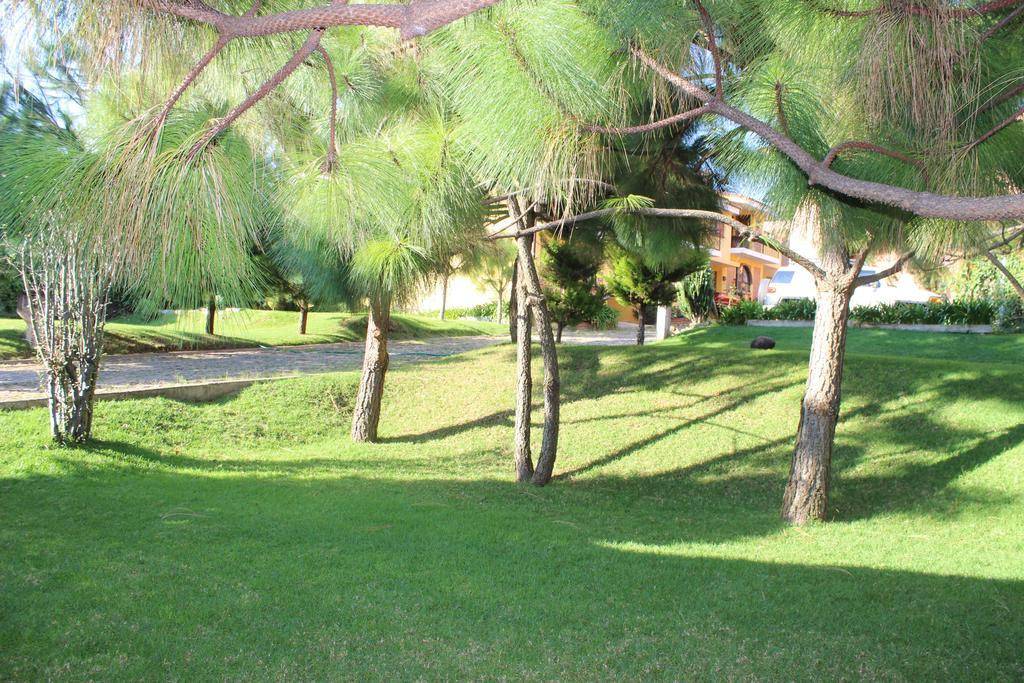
{"x": 793, "y": 282}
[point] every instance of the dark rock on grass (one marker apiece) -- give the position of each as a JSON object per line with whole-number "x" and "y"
{"x": 763, "y": 343}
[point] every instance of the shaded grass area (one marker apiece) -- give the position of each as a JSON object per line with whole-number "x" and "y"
{"x": 249, "y": 539}
{"x": 245, "y": 329}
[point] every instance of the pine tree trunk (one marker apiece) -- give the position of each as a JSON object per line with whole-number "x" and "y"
{"x": 303, "y": 319}
{"x": 501, "y": 307}
{"x": 366, "y": 415}
{"x": 513, "y": 303}
{"x": 522, "y": 336}
{"x": 211, "y": 314}
{"x": 560, "y": 327}
{"x": 552, "y": 385}
{"x": 806, "y": 496}
{"x": 641, "y": 331}
{"x": 444, "y": 296}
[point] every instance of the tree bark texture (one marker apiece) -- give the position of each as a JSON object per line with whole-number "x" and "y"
{"x": 523, "y": 338}
{"x": 552, "y": 385}
{"x": 513, "y": 303}
{"x": 807, "y": 491}
{"x": 25, "y": 313}
{"x": 211, "y": 314}
{"x": 366, "y": 414}
{"x": 303, "y": 319}
{"x": 641, "y": 332}
{"x": 444, "y": 296}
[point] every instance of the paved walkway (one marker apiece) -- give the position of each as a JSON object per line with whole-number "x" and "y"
{"x": 20, "y": 380}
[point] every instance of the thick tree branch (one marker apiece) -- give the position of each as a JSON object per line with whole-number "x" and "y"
{"x": 1014, "y": 282}
{"x": 796, "y": 257}
{"x": 189, "y": 79}
{"x": 858, "y": 261}
{"x": 308, "y": 48}
{"x": 200, "y": 66}
{"x": 925, "y": 204}
{"x": 882, "y": 274}
{"x": 417, "y": 18}
{"x": 870, "y": 147}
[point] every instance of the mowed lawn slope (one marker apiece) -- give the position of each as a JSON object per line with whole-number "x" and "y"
{"x": 249, "y": 539}
{"x": 245, "y": 328}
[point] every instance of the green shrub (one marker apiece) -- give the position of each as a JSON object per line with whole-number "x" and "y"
{"x": 740, "y": 313}
{"x": 484, "y": 311}
{"x": 792, "y": 309}
{"x": 607, "y": 318}
{"x": 1009, "y": 315}
{"x": 697, "y": 296}
{"x": 10, "y": 287}
{"x": 967, "y": 312}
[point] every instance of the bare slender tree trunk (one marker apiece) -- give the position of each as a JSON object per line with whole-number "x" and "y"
{"x": 303, "y": 318}
{"x": 806, "y": 495}
{"x": 513, "y": 303}
{"x": 522, "y": 336}
{"x": 25, "y": 313}
{"x": 68, "y": 288}
{"x": 552, "y": 384}
{"x": 211, "y": 314}
{"x": 1014, "y": 282}
{"x": 560, "y": 327}
{"x": 366, "y": 415}
{"x": 641, "y": 332}
{"x": 444, "y": 296}
{"x": 501, "y": 306}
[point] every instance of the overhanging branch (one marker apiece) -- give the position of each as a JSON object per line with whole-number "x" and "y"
{"x": 882, "y": 274}
{"x": 417, "y": 18}
{"x": 925, "y": 204}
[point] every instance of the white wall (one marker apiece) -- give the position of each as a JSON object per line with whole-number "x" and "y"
{"x": 462, "y": 293}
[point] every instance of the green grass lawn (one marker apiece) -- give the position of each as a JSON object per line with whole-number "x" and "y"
{"x": 245, "y": 328}
{"x": 248, "y": 539}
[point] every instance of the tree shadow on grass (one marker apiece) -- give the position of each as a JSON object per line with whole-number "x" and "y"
{"x": 201, "y": 577}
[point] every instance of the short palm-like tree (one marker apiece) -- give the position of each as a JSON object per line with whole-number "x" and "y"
{"x": 388, "y": 272}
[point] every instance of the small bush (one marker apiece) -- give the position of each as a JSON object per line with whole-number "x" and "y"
{"x": 792, "y": 309}
{"x": 10, "y": 287}
{"x": 740, "y": 313}
{"x": 483, "y": 311}
{"x": 1009, "y": 315}
{"x": 607, "y": 318}
{"x": 697, "y": 296}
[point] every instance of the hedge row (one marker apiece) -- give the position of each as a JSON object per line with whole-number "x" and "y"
{"x": 1005, "y": 315}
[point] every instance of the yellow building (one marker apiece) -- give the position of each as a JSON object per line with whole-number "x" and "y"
{"x": 741, "y": 268}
